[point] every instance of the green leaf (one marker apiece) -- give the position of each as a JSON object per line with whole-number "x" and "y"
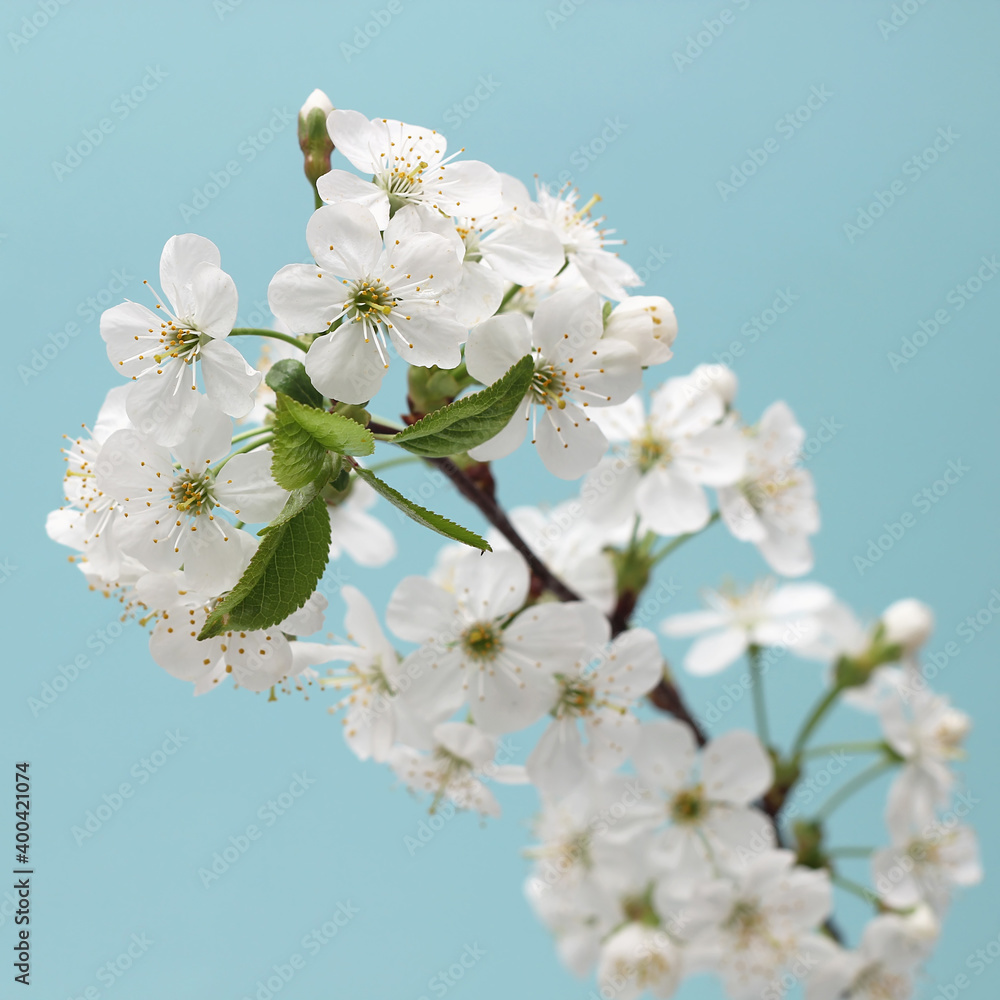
{"x": 300, "y": 499}
{"x": 289, "y": 378}
{"x": 298, "y": 458}
{"x": 332, "y": 430}
{"x": 281, "y": 576}
{"x": 436, "y": 522}
{"x": 471, "y": 420}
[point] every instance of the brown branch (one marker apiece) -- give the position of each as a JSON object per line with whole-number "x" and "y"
{"x": 494, "y": 513}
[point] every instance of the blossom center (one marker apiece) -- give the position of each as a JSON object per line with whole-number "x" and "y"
{"x": 369, "y": 302}
{"x": 192, "y": 494}
{"x": 470, "y": 237}
{"x": 548, "y": 386}
{"x": 577, "y": 698}
{"x": 650, "y": 451}
{"x": 745, "y": 920}
{"x": 178, "y": 341}
{"x": 401, "y": 185}
{"x": 688, "y": 806}
{"x": 482, "y": 641}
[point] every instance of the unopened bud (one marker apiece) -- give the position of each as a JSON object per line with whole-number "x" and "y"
{"x": 720, "y": 379}
{"x": 923, "y": 924}
{"x": 908, "y": 623}
{"x": 314, "y": 139}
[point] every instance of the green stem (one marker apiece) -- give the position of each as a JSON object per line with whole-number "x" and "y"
{"x": 243, "y": 435}
{"x": 508, "y": 295}
{"x": 815, "y": 717}
{"x": 855, "y": 784}
{"x": 272, "y": 334}
{"x": 759, "y": 704}
{"x": 317, "y": 200}
{"x": 856, "y": 888}
{"x": 864, "y": 746}
{"x": 849, "y": 852}
{"x": 677, "y": 542}
{"x": 240, "y": 451}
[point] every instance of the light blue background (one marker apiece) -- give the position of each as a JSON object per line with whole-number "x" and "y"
{"x": 558, "y": 82}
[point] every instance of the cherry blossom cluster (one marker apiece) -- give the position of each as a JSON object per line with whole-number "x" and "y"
{"x": 210, "y": 495}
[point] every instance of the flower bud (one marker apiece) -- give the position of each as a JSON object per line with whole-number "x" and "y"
{"x": 908, "y": 623}
{"x": 922, "y": 924}
{"x": 314, "y": 139}
{"x": 720, "y": 379}
{"x": 648, "y": 323}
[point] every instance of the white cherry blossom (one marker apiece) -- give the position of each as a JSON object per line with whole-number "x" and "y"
{"x": 371, "y": 679}
{"x": 461, "y": 756}
{"x": 574, "y": 370}
{"x": 774, "y": 505}
{"x": 925, "y": 865}
{"x": 87, "y": 522}
{"x": 927, "y": 732}
{"x": 660, "y": 464}
{"x": 584, "y": 241}
{"x": 161, "y": 349}
{"x": 480, "y": 648}
{"x": 883, "y": 967}
{"x": 638, "y": 959}
{"x": 600, "y": 698}
{"x": 255, "y": 659}
{"x": 763, "y": 615}
{"x": 171, "y": 514}
{"x": 407, "y": 166}
{"x": 708, "y": 799}
{"x": 381, "y": 294}
{"x": 750, "y": 926}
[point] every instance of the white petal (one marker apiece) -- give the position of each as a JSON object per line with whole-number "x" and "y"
{"x": 665, "y": 754}
{"x": 346, "y": 366}
{"x": 216, "y": 303}
{"x": 305, "y": 298}
{"x": 736, "y": 768}
{"x": 209, "y": 437}
{"x": 715, "y": 652}
{"x": 344, "y": 239}
{"x": 181, "y": 257}
{"x": 425, "y": 333}
{"x": 420, "y": 611}
{"x": 692, "y": 622}
{"x": 568, "y": 442}
{"x": 163, "y": 406}
{"x": 557, "y": 766}
{"x": 492, "y": 585}
{"x": 338, "y": 187}
{"x": 506, "y": 441}
{"x": 478, "y": 294}
{"x": 230, "y": 382}
{"x": 357, "y": 138}
{"x": 524, "y": 251}
{"x": 246, "y": 487}
{"x": 671, "y": 504}
{"x": 495, "y": 345}
{"x": 567, "y": 323}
